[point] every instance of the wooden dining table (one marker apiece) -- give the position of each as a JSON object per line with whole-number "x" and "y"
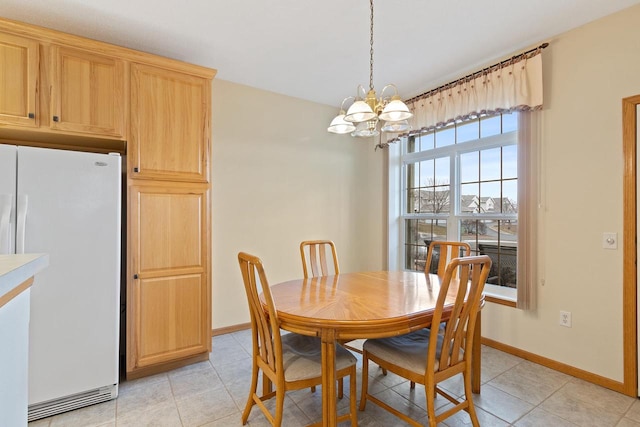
{"x": 360, "y": 305}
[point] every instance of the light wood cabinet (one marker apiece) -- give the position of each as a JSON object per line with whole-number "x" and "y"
{"x": 18, "y": 80}
{"x": 87, "y": 92}
{"x": 169, "y": 318}
{"x": 170, "y": 125}
{"x": 169, "y": 299}
{"x": 82, "y": 93}
{"x": 63, "y": 91}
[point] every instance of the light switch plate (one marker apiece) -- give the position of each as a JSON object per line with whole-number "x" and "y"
{"x": 610, "y": 240}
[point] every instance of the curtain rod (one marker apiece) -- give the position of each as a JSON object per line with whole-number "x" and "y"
{"x": 474, "y": 74}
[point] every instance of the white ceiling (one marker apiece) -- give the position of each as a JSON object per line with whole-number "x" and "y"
{"x": 319, "y": 50}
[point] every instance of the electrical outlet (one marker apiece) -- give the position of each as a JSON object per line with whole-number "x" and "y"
{"x": 565, "y": 319}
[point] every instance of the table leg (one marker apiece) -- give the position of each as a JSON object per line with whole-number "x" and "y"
{"x": 476, "y": 356}
{"x": 329, "y": 401}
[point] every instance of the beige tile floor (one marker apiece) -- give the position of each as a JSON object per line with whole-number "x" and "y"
{"x": 515, "y": 392}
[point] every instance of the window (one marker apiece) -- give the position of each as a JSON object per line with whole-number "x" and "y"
{"x": 460, "y": 182}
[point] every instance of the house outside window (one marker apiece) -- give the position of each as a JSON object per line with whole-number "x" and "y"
{"x": 460, "y": 182}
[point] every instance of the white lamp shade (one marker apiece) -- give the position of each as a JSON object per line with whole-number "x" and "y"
{"x": 395, "y": 111}
{"x": 340, "y": 126}
{"x": 396, "y": 127}
{"x": 359, "y": 111}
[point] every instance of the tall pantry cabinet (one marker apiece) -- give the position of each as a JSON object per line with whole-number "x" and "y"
{"x": 62, "y": 91}
{"x": 170, "y": 318}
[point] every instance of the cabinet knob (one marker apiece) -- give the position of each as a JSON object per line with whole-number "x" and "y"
{"x": 32, "y": 116}
{"x": 135, "y": 276}
{"x": 56, "y": 118}
{"x": 136, "y": 169}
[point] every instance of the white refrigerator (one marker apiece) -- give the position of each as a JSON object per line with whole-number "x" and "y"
{"x": 67, "y": 204}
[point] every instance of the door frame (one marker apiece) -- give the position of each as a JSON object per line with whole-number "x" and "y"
{"x": 629, "y": 290}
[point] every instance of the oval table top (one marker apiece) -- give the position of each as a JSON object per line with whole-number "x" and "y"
{"x": 358, "y": 305}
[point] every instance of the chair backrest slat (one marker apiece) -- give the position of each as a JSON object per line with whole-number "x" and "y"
{"x": 317, "y": 261}
{"x": 445, "y": 252}
{"x": 457, "y": 338}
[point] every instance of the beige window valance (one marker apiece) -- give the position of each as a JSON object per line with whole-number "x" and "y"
{"x": 513, "y": 85}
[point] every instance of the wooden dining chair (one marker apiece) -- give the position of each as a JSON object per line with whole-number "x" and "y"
{"x": 428, "y": 358}
{"x": 445, "y": 251}
{"x": 319, "y": 258}
{"x": 289, "y": 361}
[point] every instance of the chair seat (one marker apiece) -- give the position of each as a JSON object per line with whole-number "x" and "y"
{"x": 302, "y": 357}
{"x": 408, "y": 351}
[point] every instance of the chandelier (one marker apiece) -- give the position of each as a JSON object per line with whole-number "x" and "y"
{"x": 368, "y": 114}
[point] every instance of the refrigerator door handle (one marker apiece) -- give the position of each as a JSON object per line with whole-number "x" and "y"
{"x": 21, "y": 222}
{"x": 5, "y": 224}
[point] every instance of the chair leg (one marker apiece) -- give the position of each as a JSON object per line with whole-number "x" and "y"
{"x": 252, "y": 391}
{"x": 267, "y": 387}
{"x": 340, "y": 388}
{"x": 279, "y": 407}
{"x": 313, "y": 389}
{"x": 468, "y": 393}
{"x": 412, "y": 385}
{"x": 365, "y": 380}
{"x": 430, "y": 392}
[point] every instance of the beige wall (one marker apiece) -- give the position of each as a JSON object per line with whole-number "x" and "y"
{"x": 587, "y": 72}
{"x": 273, "y": 188}
{"x": 279, "y": 178}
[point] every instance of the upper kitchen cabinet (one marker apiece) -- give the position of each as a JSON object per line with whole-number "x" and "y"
{"x": 61, "y": 89}
{"x": 18, "y": 80}
{"x": 87, "y": 92}
{"x": 170, "y": 125}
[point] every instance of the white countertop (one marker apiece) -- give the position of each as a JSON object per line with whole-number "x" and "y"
{"x": 15, "y": 269}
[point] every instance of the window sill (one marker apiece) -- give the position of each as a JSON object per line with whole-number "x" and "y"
{"x": 500, "y": 295}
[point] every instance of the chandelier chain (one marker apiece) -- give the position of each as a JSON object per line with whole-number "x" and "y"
{"x": 369, "y": 115}
{"x": 371, "y": 50}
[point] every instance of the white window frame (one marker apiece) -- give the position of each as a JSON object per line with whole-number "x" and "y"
{"x": 398, "y": 161}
